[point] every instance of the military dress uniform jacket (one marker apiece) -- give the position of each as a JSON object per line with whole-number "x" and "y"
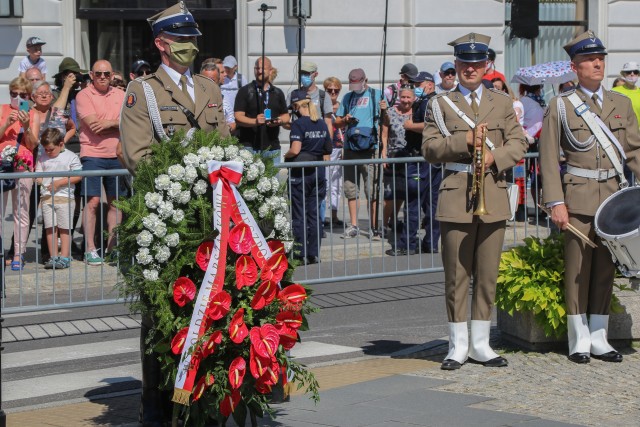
{"x": 136, "y": 130}
{"x": 584, "y": 195}
{"x": 503, "y": 130}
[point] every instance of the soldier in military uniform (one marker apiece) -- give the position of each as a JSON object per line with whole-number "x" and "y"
{"x": 593, "y": 127}
{"x": 471, "y": 244}
{"x": 156, "y": 106}
{"x": 194, "y": 104}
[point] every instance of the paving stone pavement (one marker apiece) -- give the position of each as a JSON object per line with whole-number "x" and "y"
{"x": 549, "y": 386}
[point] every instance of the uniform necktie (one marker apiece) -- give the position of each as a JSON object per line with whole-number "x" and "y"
{"x": 474, "y": 103}
{"x": 183, "y": 83}
{"x": 596, "y": 106}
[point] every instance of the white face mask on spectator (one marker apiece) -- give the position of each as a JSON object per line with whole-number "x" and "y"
{"x": 631, "y": 79}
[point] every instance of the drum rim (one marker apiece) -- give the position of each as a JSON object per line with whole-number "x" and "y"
{"x": 601, "y": 233}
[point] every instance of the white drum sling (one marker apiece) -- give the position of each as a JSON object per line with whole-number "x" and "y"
{"x": 617, "y": 222}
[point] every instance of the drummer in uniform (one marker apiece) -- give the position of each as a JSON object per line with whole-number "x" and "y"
{"x": 155, "y": 107}
{"x": 182, "y": 100}
{"x": 595, "y": 129}
{"x": 471, "y": 244}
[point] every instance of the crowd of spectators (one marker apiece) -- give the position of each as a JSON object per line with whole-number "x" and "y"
{"x": 84, "y": 107}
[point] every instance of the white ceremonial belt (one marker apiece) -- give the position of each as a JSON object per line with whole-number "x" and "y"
{"x": 597, "y": 174}
{"x": 459, "y": 167}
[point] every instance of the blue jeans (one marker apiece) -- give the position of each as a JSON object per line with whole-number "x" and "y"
{"x": 431, "y": 178}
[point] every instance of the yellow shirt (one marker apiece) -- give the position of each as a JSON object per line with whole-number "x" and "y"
{"x": 634, "y": 95}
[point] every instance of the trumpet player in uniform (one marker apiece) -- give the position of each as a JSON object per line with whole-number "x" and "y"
{"x": 596, "y": 129}
{"x": 472, "y": 124}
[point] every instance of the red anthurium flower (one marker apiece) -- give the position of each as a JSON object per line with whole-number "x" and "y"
{"x": 276, "y": 246}
{"x": 265, "y": 340}
{"x": 270, "y": 376}
{"x": 258, "y": 364}
{"x": 230, "y": 402}
{"x": 184, "y": 291}
{"x": 291, "y": 319}
{"x": 210, "y": 345}
{"x": 178, "y": 340}
{"x": 202, "y": 384}
{"x": 203, "y": 254}
{"x": 261, "y": 387}
{"x": 292, "y": 297}
{"x": 237, "y": 370}
{"x": 288, "y": 336}
{"x": 237, "y": 329}
{"x": 275, "y": 267}
{"x": 246, "y": 271}
{"x": 240, "y": 239}
{"x": 264, "y": 295}
{"x": 219, "y": 306}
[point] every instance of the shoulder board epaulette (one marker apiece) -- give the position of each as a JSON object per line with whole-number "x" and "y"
{"x": 618, "y": 93}
{"x": 147, "y": 77}
{"x": 499, "y": 92}
{"x": 567, "y": 93}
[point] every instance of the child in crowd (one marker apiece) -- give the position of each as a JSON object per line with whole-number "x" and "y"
{"x": 57, "y": 201}
{"x": 34, "y": 58}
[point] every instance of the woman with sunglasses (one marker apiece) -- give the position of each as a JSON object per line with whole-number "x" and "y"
{"x": 310, "y": 141}
{"x": 332, "y": 87}
{"x": 394, "y": 144}
{"x": 16, "y": 130}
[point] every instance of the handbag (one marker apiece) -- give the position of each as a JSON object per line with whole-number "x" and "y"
{"x": 6, "y": 166}
{"x": 361, "y": 138}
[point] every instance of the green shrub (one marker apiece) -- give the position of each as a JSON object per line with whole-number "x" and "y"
{"x": 531, "y": 280}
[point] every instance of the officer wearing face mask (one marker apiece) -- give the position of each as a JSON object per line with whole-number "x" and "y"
{"x": 183, "y": 100}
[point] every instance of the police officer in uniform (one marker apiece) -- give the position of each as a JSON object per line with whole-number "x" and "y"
{"x": 174, "y": 99}
{"x": 592, "y": 176}
{"x": 471, "y": 244}
{"x": 183, "y": 100}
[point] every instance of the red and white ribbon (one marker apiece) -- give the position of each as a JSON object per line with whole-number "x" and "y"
{"x": 227, "y": 205}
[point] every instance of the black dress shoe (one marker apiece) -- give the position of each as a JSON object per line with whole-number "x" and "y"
{"x": 429, "y": 250}
{"x": 579, "y": 357}
{"x": 450, "y": 365}
{"x": 313, "y": 260}
{"x": 612, "y": 356}
{"x": 400, "y": 252}
{"x": 496, "y": 362}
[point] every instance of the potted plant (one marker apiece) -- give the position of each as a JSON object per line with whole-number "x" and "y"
{"x": 530, "y": 294}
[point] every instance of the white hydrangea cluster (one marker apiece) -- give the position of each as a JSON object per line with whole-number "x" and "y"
{"x": 217, "y": 153}
{"x": 190, "y": 174}
{"x": 281, "y": 223}
{"x": 152, "y": 200}
{"x": 144, "y": 256}
{"x": 184, "y": 197}
{"x": 150, "y": 275}
{"x": 253, "y": 172}
{"x": 162, "y": 182}
{"x": 250, "y": 195}
{"x": 165, "y": 209}
{"x": 176, "y": 172}
{"x": 174, "y": 190}
{"x": 200, "y": 187}
{"x": 231, "y": 151}
{"x": 178, "y": 216}
{"x": 162, "y": 253}
{"x": 172, "y": 240}
{"x": 144, "y": 239}
{"x": 191, "y": 159}
{"x": 264, "y": 185}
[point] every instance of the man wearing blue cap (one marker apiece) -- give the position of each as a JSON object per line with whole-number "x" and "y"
{"x": 471, "y": 241}
{"x": 183, "y": 100}
{"x": 176, "y": 100}
{"x": 447, "y": 78}
{"x": 596, "y": 129}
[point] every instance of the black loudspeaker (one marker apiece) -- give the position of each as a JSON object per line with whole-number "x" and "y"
{"x": 525, "y": 17}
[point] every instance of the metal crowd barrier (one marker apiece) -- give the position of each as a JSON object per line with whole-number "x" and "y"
{"x": 340, "y": 259}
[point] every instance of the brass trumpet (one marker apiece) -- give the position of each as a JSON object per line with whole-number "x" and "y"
{"x": 477, "y": 186}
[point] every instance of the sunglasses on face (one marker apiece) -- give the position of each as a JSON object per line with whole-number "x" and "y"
{"x": 407, "y": 86}
{"x": 23, "y": 95}
{"x": 142, "y": 73}
{"x": 106, "y": 74}
{"x": 450, "y": 73}
{"x": 636, "y": 72}
{"x": 333, "y": 91}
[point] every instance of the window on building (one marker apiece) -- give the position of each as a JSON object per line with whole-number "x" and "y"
{"x": 11, "y": 9}
{"x": 560, "y": 21}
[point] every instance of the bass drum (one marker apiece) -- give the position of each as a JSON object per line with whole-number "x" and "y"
{"x": 617, "y": 222}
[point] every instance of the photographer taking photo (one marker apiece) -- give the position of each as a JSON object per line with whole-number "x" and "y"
{"x": 66, "y": 67}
